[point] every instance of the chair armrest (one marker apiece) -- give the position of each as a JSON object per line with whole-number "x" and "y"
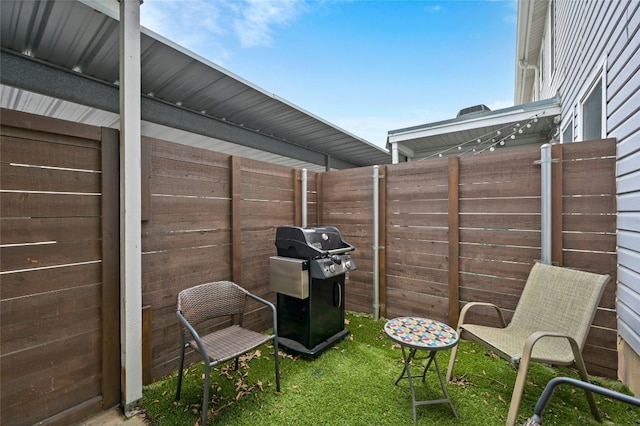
{"x": 273, "y": 310}
{"x": 534, "y": 337}
{"x": 470, "y": 305}
{"x": 194, "y": 334}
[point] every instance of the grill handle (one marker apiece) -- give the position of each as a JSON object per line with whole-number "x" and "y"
{"x": 340, "y": 250}
{"x": 337, "y": 286}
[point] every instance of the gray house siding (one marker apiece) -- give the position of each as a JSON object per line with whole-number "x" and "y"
{"x": 623, "y": 123}
{"x": 594, "y": 40}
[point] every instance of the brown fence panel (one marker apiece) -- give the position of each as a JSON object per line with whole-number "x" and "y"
{"x": 499, "y": 224}
{"x": 268, "y": 201}
{"x": 211, "y": 217}
{"x": 417, "y": 239}
{"x": 187, "y": 238}
{"x": 589, "y": 237}
{"x": 52, "y": 293}
{"x": 347, "y": 203}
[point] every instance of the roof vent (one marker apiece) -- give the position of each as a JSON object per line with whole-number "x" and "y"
{"x": 472, "y": 109}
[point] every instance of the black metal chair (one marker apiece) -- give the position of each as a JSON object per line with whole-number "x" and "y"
{"x": 200, "y": 304}
{"x": 536, "y": 419}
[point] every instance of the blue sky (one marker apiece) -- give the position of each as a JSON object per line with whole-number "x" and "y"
{"x": 367, "y": 66}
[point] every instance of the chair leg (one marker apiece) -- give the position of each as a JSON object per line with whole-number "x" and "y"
{"x": 582, "y": 369}
{"x": 181, "y": 367}
{"x": 452, "y": 360}
{"x": 205, "y": 393}
{"x": 518, "y": 389}
{"x": 277, "y": 360}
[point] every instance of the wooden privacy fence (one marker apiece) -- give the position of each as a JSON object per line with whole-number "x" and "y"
{"x": 59, "y": 279}
{"x": 451, "y": 231}
{"x": 469, "y": 229}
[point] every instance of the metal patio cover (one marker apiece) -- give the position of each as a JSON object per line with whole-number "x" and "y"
{"x": 69, "y": 50}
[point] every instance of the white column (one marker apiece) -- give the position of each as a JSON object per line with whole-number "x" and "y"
{"x": 130, "y": 208}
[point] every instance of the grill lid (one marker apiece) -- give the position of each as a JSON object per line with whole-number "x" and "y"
{"x": 310, "y": 243}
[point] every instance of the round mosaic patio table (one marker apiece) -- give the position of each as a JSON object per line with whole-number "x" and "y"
{"x": 415, "y": 334}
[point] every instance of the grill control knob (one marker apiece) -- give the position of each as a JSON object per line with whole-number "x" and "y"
{"x": 332, "y": 268}
{"x": 348, "y": 264}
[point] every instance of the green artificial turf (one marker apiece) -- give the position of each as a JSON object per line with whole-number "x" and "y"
{"x": 352, "y": 383}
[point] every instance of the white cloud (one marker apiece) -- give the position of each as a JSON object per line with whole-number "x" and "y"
{"x": 433, "y": 9}
{"x": 198, "y": 25}
{"x": 180, "y": 18}
{"x": 204, "y": 26}
{"x": 257, "y": 17}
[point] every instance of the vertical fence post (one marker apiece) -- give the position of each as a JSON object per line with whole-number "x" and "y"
{"x": 319, "y": 198}
{"x": 454, "y": 240}
{"x": 376, "y": 263}
{"x": 297, "y": 213}
{"x": 236, "y": 223}
{"x": 304, "y": 198}
{"x": 110, "y": 267}
{"x": 545, "y": 199}
{"x": 382, "y": 241}
{"x": 557, "y": 205}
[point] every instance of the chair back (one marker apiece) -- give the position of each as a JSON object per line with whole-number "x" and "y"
{"x": 560, "y": 300}
{"x": 211, "y": 300}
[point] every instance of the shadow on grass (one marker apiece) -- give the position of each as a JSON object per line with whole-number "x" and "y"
{"x": 352, "y": 384}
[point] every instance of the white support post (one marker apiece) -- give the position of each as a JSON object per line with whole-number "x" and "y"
{"x": 130, "y": 208}
{"x": 395, "y": 158}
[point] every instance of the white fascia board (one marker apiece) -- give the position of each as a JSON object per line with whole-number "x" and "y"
{"x": 476, "y": 122}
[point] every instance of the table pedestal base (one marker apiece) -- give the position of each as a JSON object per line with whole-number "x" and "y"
{"x": 406, "y": 374}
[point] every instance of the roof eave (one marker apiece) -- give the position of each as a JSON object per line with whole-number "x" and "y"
{"x": 545, "y": 107}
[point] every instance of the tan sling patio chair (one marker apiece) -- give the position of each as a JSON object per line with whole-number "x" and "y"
{"x": 202, "y": 303}
{"x": 549, "y": 325}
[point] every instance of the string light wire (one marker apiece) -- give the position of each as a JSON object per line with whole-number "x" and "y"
{"x": 487, "y": 141}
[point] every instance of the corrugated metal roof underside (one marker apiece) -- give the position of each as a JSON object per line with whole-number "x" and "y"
{"x": 74, "y": 36}
{"x": 21, "y": 100}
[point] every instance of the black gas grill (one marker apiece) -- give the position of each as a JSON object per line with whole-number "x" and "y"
{"x": 308, "y": 275}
